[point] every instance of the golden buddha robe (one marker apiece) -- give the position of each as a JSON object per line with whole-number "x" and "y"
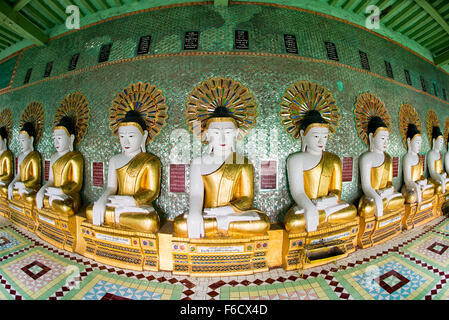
{"x": 67, "y": 175}
{"x": 325, "y": 179}
{"x": 6, "y": 171}
{"x": 230, "y": 185}
{"x": 417, "y": 173}
{"x": 30, "y": 175}
{"x": 439, "y": 169}
{"x": 381, "y": 178}
{"x": 139, "y": 178}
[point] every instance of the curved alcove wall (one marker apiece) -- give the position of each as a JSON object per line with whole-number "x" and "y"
{"x": 266, "y": 69}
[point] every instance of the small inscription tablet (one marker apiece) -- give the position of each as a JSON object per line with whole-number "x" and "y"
{"x": 241, "y": 39}
{"x": 177, "y": 178}
{"x": 191, "y": 40}
{"x": 144, "y": 45}
{"x": 290, "y": 43}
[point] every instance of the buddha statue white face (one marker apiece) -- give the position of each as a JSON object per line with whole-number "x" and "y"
{"x": 415, "y": 144}
{"x": 221, "y": 136}
{"x": 438, "y": 144}
{"x": 131, "y": 139}
{"x": 3, "y": 144}
{"x": 26, "y": 142}
{"x": 379, "y": 141}
{"x": 315, "y": 139}
{"x": 62, "y": 141}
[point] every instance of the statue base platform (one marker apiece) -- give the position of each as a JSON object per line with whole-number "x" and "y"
{"x": 327, "y": 244}
{"x": 374, "y": 230}
{"x": 22, "y": 214}
{"x": 123, "y": 248}
{"x": 443, "y": 204}
{"x": 4, "y": 208}
{"x": 56, "y": 229}
{"x": 209, "y": 257}
{"x": 417, "y": 214}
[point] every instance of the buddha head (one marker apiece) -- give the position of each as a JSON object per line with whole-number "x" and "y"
{"x": 26, "y": 137}
{"x": 220, "y": 131}
{"x": 3, "y": 138}
{"x": 132, "y": 133}
{"x": 64, "y": 135}
{"x": 437, "y": 139}
{"x": 314, "y": 131}
{"x": 414, "y": 139}
{"x": 378, "y": 134}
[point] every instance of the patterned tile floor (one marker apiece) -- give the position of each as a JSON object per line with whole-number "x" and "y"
{"x": 412, "y": 266}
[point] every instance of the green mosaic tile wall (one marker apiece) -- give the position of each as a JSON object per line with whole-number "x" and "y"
{"x": 6, "y": 71}
{"x": 267, "y": 77}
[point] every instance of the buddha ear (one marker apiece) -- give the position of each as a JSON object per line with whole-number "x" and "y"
{"x": 303, "y": 144}
{"x": 371, "y": 141}
{"x": 72, "y": 140}
{"x": 408, "y": 143}
{"x": 144, "y": 141}
{"x": 32, "y": 143}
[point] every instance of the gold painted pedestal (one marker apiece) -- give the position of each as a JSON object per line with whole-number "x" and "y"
{"x": 4, "y": 207}
{"x": 23, "y": 214}
{"x": 57, "y": 229}
{"x": 417, "y": 214}
{"x": 119, "y": 247}
{"x": 327, "y": 244}
{"x": 208, "y": 257}
{"x": 375, "y": 230}
{"x": 443, "y": 202}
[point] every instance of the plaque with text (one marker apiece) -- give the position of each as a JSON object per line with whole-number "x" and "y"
{"x": 46, "y": 170}
{"x": 17, "y": 164}
{"x": 423, "y": 159}
{"x": 177, "y": 178}
{"x": 389, "y": 69}
{"x": 27, "y": 76}
{"x": 144, "y": 45}
{"x": 331, "y": 50}
{"x": 268, "y": 174}
{"x": 97, "y": 174}
{"x": 407, "y": 77}
{"x": 104, "y": 52}
{"x": 191, "y": 40}
{"x": 423, "y": 84}
{"x": 48, "y": 69}
{"x": 241, "y": 39}
{"x": 347, "y": 169}
{"x": 395, "y": 166}
{"x": 364, "y": 60}
{"x": 73, "y": 62}
{"x": 435, "y": 90}
{"x": 290, "y": 43}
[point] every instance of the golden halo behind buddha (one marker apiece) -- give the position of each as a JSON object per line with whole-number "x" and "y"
{"x": 407, "y": 115}
{"x": 6, "y": 121}
{"x": 446, "y": 129}
{"x": 145, "y": 98}
{"x": 303, "y": 96}
{"x": 431, "y": 121}
{"x": 34, "y": 113}
{"x": 221, "y": 92}
{"x": 75, "y": 106}
{"x": 367, "y": 106}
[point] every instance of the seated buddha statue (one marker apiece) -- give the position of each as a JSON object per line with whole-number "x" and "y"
{"x": 6, "y": 162}
{"x": 376, "y": 173}
{"x": 415, "y": 187}
{"x": 221, "y": 187}
{"x": 27, "y": 181}
{"x": 435, "y": 162}
{"x": 133, "y": 182}
{"x": 61, "y": 191}
{"x": 315, "y": 180}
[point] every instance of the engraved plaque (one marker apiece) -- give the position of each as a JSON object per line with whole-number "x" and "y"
{"x": 364, "y": 60}
{"x": 435, "y": 90}
{"x": 290, "y": 43}
{"x": 395, "y": 166}
{"x": 46, "y": 170}
{"x": 407, "y": 77}
{"x": 241, "y": 39}
{"x": 97, "y": 174}
{"x": 347, "y": 169}
{"x": 144, "y": 45}
{"x": 423, "y": 84}
{"x": 177, "y": 178}
{"x": 48, "y": 69}
{"x": 331, "y": 51}
{"x": 73, "y": 62}
{"x": 191, "y": 40}
{"x": 268, "y": 174}
{"x": 104, "y": 52}
{"x": 389, "y": 69}
{"x": 27, "y": 76}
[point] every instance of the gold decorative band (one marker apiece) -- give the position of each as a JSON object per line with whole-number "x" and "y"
{"x": 220, "y": 119}
{"x": 381, "y": 129}
{"x": 62, "y": 128}
{"x": 24, "y": 132}
{"x": 135, "y": 124}
{"x": 316, "y": 125}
